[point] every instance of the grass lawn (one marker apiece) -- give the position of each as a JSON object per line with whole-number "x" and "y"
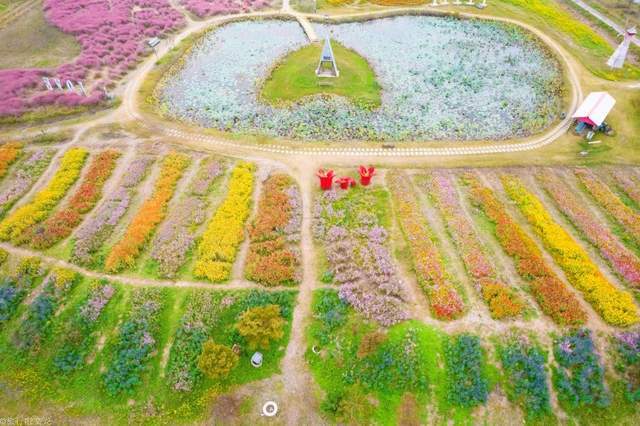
{"x": 31, "y": 42}
{"x": 294, "y": 78}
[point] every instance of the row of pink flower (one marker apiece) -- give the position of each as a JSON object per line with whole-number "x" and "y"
{"x": 443, "y": 192}
{"x": 502, "y": 300}
{"x": 628, "y": 182}
{"x": 359, "y": 259}
{"x": 204, "y": 8}
{"x": 25, "y": 175}
{"x": 176, "y": 235}
{"x": 427, "y": 258}
{"x": 112, "y": 36}
{"x": 622, "y": 260}
{"x": 95, "y": 230}
{"x": 610, "y": 202}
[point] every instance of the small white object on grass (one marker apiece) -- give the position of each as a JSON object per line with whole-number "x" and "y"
{"x": 269, "y": 409}
{"x": 256, "y": 360}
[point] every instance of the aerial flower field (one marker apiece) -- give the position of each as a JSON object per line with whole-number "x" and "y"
{"x": 300, "y": 212}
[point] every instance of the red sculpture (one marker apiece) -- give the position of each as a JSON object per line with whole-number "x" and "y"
{"x": 366, "y": 173}
{"x": 346, "y": 182}
{"x": 326, "y": 178}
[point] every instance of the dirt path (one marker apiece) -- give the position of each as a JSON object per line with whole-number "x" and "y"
{"x": 299, "y": 385}
{"x": 135, "y": 281}
{"x": 604, "y": 19}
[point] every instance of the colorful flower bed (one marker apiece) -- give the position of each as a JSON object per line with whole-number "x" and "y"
{"x": 446, "y": 303}
{"x": 579, "y": 375}
{"x": 526, "y": 377}
{"x": 214, "y": 316}
{"x": 135, "y": 343}
{"x": 176, "y": 237}
{"x": 13, "y": 289}
{"x": 9, "y": 153}
{"x": 615, "y": 306}
{"x": 552, "y": 295}
{"x": 64, "y": 221}
{"x": 465, "y": 80}
{"x": 273, "y": 258}
{"x": 80, "y": 335}
{"x": 205, "y": 8}
{"x": 95, "y": 230}
{"x": 26, "y": 173}
{"x": 12, "y": 227}
{"x": 352, "y": 230}
{"x": 209, "y": 171}
{"x": 182, "y": 367}
{"x": 112, "y": 36}
{"x": 220, "y": 242}
{"x": 464, "y": 363}
{"x": 610, "y": 203}
{"x": 503, "y": 301}
{"x": 623, "y": 261}
{"x": 360, "y": 365}
{"x": 37, "y": 323}
{"x": 124, "y": 253}
{"x": 628, "y": 183}
{"x": 627, "y": 362}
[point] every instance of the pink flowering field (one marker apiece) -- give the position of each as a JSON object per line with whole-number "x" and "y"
{"x": 205, "y": 8}
{"x": 112, "y": 35}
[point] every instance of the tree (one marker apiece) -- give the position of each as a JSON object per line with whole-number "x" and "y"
{"x": 216, "y": 361}
{"x": 261, "y": 325}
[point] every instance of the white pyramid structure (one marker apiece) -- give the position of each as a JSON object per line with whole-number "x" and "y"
{"x": 617, "y": 59}
{"x": 327, "y": 66}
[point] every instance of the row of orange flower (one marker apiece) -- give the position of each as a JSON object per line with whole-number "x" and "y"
{"x": 444, "y": 300}
{"x": 615, "y": 306}
{"x": 9, "y": 153}
{"x": 271, "y": 259}
{"x": 65, "y": 220}
{"x": 552, "y": 295}
{"x": 148, "y": 217}
{"x": 503, "y": 301}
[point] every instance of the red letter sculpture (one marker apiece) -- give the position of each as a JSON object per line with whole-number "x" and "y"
{"x": 346, "y": 182}
{"x": 366, "y": 173}
{"x": 326, "y": 179}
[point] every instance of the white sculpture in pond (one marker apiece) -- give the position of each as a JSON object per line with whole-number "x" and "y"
{"x": 327, "y": 66}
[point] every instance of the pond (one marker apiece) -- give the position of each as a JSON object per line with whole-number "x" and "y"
{"x": 441, "y": 79}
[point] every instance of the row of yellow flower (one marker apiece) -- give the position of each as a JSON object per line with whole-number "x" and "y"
{"x": 151, "y": 213}
{"x": 615, "y": 306}
{"x": 39, "y": 208}
{"x": 9, "y": 152}
{"x": 219, "y": 244}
